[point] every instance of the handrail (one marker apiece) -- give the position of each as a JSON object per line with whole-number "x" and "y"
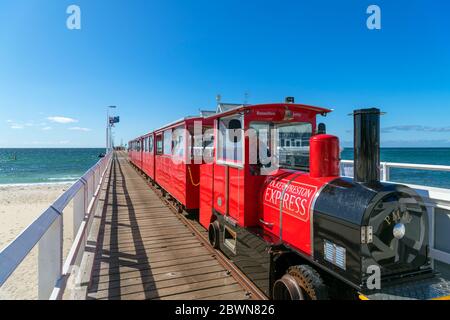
{"x": 47, "y": 231}
{"x": 430, "y": 167}
{"x": 437, "y": 201}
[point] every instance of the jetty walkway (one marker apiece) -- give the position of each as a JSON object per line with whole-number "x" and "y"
{"x": 144, "y": 251}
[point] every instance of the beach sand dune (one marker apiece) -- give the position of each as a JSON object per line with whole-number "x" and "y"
{"x": 20, "y": 205}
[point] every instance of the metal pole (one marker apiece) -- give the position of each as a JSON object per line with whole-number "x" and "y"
{"x": 107, "y": 129}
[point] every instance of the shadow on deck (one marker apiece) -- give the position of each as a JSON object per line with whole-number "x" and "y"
{"x": 145, "y": 252}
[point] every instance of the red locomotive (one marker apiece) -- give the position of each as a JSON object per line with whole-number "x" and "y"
{"x": 283, "y": 214}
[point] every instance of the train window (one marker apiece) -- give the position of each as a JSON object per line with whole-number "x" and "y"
{"x": 208, "y": 148}
{"x": 230, "y": 140}
{"x": 150, "y": 144}
{"x": 260, "y": 143}
{"x": 159, "y": 144}
{"x": 168, "y": 142}
{"x": 294, "y": 152}
{"x": 178, "y": 141}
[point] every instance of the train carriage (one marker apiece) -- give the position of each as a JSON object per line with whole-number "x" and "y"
{"x": 175, "y": 168}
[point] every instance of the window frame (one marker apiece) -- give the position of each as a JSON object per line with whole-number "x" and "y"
{"x": 175, "y": 141}
{"x": 159, "y": 138}
{"x": 284, "y": 166}
{"x": 217, "y": 140}
{"x": 151, "y": 147}
{"x": 167, "y": 147}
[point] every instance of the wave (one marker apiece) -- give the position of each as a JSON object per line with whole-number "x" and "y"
{"x": 35, "y": 184}
{"x": 69, "y": 178}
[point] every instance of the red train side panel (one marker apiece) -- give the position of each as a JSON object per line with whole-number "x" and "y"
{"x": 148, "y": 156}
{"x": 175, "y": 170}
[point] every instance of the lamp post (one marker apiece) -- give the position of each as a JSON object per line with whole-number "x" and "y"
{"x": 108, "y": 129}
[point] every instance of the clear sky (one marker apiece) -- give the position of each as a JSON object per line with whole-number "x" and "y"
{"x": 161, "y": 60}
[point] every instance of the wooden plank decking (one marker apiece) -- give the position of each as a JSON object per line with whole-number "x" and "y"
{"x": 144, "y": 251}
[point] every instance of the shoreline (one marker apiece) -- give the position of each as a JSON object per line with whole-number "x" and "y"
{"x": 37, "y": 184}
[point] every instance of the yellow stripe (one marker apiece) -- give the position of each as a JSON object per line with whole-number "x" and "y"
{"x": 363, "y": 297}
{"x": 442, "y": 298}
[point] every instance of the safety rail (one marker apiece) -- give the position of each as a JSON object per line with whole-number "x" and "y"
{"x": 47, "y": 232}
{"x": 437, "y": 201}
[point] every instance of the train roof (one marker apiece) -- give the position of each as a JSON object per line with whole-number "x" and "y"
{"x": 230, "y": 108}
{"x": 178, "y": 122}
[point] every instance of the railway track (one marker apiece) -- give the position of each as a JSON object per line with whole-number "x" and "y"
{"x": 252, "y": 290}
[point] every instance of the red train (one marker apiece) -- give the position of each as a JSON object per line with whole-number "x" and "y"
{"x": 265, "y": 182}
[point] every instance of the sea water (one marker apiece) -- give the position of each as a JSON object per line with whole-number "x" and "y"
{"x": 25, "y": 166}
{"x": 435, "y": 156}
{"x": 29, "y": 166}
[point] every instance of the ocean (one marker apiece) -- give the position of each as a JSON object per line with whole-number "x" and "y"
{"x": 437, "y": 156}
{"x": 29, "y": 166}
{"x": 67, "y": 165}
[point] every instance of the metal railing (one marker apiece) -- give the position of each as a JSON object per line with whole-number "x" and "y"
{"x": 47, "y": 232}
{"x": 437, "y": 201}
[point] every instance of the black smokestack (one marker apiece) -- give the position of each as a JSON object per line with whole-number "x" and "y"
{"x": 367, "y": 145}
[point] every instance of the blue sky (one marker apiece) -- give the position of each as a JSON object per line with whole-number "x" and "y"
{"x": 161, "y": 60}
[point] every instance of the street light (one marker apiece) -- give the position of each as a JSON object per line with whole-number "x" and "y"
{"x": 108, "y": 129}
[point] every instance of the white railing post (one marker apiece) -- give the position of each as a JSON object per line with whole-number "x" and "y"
{"x": 90, "y": 187}
{"x": 432, "y": 228}
{"x": 92, "y": 178}
{"x": 79, "y": 210}
{"x": 385, "y": 171}
{"x": 85, "y": 191}
{"x": 99, "y": 175}
{"x": 50, "y": 258}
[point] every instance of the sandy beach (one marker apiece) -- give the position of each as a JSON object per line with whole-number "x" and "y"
{"x": 20, "y": 205}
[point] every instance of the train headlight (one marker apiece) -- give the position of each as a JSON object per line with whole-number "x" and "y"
{"x": 399, "y": 231}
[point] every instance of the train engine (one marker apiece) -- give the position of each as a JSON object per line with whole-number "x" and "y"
{"x": 359, "y": 227}
{"x": 313, "y": 234}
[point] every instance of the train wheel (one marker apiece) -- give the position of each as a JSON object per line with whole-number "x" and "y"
{"x": 213, "y": 234}
{"x": 300, "y": 283}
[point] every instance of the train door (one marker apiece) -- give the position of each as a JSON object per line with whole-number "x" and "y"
{"x": 151, "y": 151}
{"x": 229, "y": 166}
{"x": 203, "y": 150}
{"x": 159, "y": 152}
